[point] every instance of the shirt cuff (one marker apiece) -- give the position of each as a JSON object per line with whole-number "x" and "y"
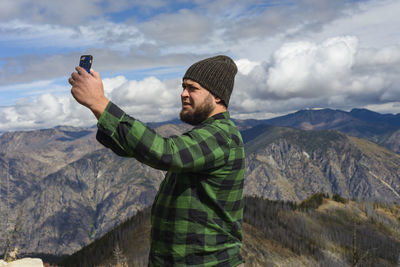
{"x": 110, "y": 118}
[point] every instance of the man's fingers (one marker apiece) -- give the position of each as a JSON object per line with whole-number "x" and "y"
{"x": 80, "y": 70}
{"x": 76, "y": 76}
{"x": 95, "y": 74}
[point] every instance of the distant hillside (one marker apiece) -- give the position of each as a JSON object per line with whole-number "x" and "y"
{"x": 362, "y": 123}
{"x": 357, "y": 121}
{"x": 392, "y": 141}
{"x": 320, "y": 231}
{"x": 61, "y": 190}
{"x": 25, "y": 159}
{"x": 289, "y": 164}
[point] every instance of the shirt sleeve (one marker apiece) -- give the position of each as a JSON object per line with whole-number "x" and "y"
{"x": 204, "y": 147}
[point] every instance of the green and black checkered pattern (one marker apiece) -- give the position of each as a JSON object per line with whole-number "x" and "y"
{"x": 198, "y": 210}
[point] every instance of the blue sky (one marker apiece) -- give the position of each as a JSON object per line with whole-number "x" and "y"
{"x": 291, "y": 55}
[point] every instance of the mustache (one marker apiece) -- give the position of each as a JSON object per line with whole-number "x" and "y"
{"x": 186, "y": 101}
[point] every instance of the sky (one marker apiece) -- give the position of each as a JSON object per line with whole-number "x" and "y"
{"x": 291, "y": 55}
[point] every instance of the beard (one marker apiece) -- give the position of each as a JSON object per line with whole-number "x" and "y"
{"x": 198, "y": 114}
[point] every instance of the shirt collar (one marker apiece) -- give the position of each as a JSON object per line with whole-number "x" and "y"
{"x": 219, "y": 116}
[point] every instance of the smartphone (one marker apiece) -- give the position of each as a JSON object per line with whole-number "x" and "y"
{"x": 86, "y": 62}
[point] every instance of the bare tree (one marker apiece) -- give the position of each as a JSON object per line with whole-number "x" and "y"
{"x": 119, "y": 257}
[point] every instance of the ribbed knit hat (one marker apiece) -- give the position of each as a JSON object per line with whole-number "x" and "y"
{"x": 216, "y": 74}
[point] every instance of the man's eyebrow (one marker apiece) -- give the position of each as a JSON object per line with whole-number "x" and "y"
{"x": 186, "y": 85}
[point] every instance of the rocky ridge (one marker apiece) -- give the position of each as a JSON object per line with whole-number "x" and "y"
{"x": 57, "y": 209}
{"x": 379, "y": 128}
{"x": 289, "y": 164}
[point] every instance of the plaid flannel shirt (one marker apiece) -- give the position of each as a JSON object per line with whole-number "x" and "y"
{"x": 198, "y": 210}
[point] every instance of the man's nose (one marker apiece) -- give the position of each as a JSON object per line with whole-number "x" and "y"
{"x": 184, "y": 93}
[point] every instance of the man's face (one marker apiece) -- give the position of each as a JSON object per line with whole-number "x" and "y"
{"x": 197, "y": 103}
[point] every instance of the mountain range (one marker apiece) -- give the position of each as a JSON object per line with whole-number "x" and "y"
{"x": 383, "y": 129}
{"x": 290, "y": 164}
{"x": 60, "y": 189}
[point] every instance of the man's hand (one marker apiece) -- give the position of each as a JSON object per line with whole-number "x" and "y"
{"x": 87, "y": 89}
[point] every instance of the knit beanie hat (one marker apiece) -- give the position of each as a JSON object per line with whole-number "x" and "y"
{"x": 216, "y": 74}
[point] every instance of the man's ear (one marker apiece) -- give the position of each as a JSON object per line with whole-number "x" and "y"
{"x": 218, "y": 100}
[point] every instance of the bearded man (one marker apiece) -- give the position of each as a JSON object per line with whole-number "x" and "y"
{"x": 197, "y": 213}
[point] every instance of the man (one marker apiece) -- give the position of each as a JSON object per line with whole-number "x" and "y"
{"x": 197, "y": 212}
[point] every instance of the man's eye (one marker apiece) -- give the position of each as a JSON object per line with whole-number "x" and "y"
{"x": 188, "y": 87}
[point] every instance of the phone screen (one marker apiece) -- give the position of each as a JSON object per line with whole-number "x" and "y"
{"x": 86, "y": 62}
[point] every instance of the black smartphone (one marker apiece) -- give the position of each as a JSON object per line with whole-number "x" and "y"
{"x": 86, "y": 62}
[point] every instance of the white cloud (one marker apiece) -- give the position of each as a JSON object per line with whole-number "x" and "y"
{"x": 387, "y": 108}
{"x": 149, "y": 100}
{"x": 245, "y": 66}
{"x": 97, "y": 34}
{"x": 44, "y": 111}
{"x": 115, "y": 36}
{"x": 246, "y": 29}
{"x": 375, "y": 23}
{"x": 18, "y": 31}
{"x": 335, "y": 73}
{"x": 379, "y": 57}
{"x": 26, "y": 86}
{"x": 290, "y": 54}
{"x": 301, "y": 68}
{"x": 70, "y": 12}
{"x": 185, "y": 27}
